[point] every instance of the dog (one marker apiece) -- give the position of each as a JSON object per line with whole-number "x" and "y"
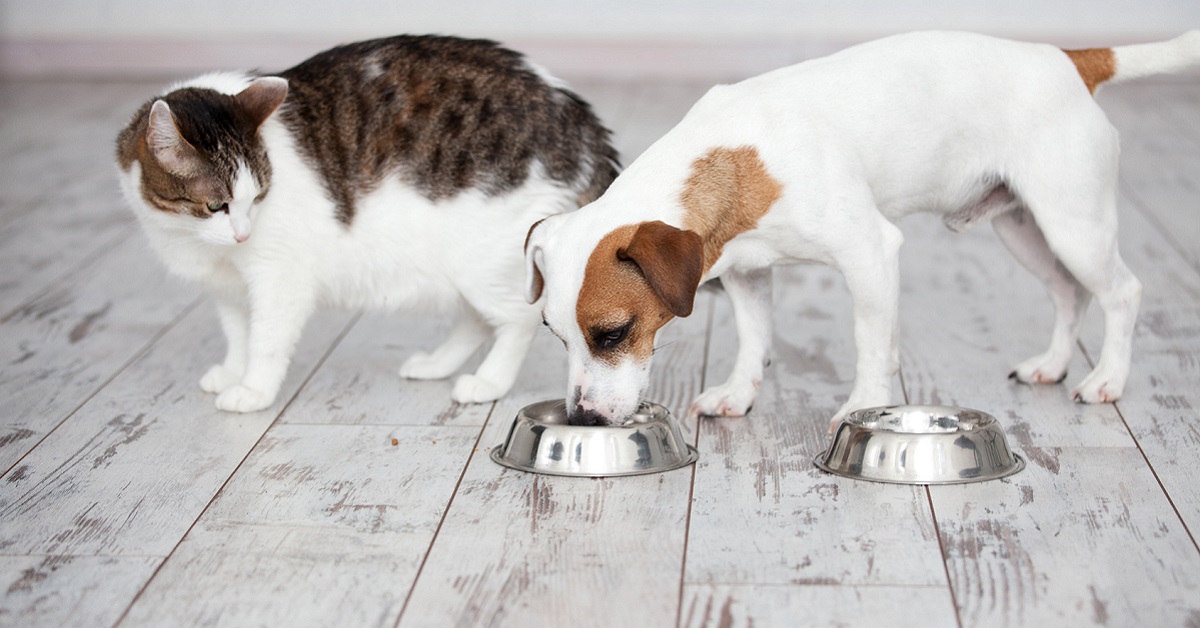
{"x": 814, "y": 162}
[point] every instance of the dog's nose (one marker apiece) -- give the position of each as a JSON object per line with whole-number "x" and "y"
{"x": 577, "y": 415}
{"x": 586, "y": 417}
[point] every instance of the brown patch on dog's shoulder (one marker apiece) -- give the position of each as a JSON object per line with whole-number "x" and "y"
{"x": 1095, "y": 65}
{"x": 728, "y": 191}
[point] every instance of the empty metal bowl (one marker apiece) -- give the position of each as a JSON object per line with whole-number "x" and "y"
{"x": 541, "y": 441}
{"x": 920, "y": 445}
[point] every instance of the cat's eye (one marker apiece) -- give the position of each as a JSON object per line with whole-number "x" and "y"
{"x": 217, "y": 207}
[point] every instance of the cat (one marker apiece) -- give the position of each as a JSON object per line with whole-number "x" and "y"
{"x": 401, "y": 172}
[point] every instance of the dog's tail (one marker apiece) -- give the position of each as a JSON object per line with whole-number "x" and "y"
{"x": 1111, "y": 65}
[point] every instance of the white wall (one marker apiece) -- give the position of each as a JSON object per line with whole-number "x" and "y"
{"x": 611, "y": 19}
{"x": 164, "y": 34}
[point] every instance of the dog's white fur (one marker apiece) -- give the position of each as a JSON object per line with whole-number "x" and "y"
{"x": 272, "y": 264}
{"x": 918, "y": 122}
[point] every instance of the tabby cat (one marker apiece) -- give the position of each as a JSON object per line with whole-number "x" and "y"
{"x": 397, "y": 173}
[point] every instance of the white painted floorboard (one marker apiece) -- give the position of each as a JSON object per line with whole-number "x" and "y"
{"x": 127, "y": 499}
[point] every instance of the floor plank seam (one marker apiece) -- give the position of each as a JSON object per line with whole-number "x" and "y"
{"x": 1150, "y": 465}
{"x": 102, "y": 385}
{"x": 1154, "y": 472}
{"x": 1192, "y": 132}
{"x": 687, "y": 522}
{"x": 249, "y": 452}
{"x": 87, "y": 261}
{"x": 937, "y": 530}
{"x": 903, "y": 385}
{"x": 1163, "y": 231}
{"x": 442, "y": 520}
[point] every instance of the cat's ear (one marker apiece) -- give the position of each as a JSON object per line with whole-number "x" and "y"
{"x": 173, "y": 152}
{"x": 262, "y": 98}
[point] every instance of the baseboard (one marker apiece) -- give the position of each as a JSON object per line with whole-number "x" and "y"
{"x": 569, "y": 59}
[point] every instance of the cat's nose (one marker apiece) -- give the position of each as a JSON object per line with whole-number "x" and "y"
{"x": 241, "y": 238}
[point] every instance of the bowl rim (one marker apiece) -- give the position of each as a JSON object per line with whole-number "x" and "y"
{"x": 853, "y": 425}
{"x": 858, "y": 419}
{"x": 497, "y": 455}
{"x": 1017, "y": 466}
{"x": 657, "y": 417}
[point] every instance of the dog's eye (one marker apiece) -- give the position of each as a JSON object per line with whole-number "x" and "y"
{"x": 216, "y": 207}
{"x": 611, "y": 338}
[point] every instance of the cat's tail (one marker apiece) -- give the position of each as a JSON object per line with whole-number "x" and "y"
{"x": 1098, "y": 66}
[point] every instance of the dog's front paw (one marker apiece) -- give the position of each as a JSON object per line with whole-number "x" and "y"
{"x": 725, "y": 400}
{"x": 840, "y": 415}
{"x": 239, "y": 398}
{"x": 1043, "y": 369}
{"x": 850, "y": 406}
{"x": 421, "y": 365}
{"x": 218, "y": 379}
{"x": 1099, "y": 387}
{"x": 474, "y": 389}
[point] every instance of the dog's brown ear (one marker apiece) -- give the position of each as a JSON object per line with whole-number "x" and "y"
{"x": 671, "y": 260}
{"x": 533, "y": 262}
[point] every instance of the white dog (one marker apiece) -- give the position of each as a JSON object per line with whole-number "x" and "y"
{"x": 814, "y": 162}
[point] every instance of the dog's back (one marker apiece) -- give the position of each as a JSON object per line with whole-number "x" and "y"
{"x": 816, "y": 161}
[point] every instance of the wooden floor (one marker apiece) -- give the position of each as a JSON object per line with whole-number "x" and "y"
{"x": 126, "y": 499}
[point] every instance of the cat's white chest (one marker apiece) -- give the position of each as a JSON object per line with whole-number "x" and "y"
{"x": 401, "y": 251}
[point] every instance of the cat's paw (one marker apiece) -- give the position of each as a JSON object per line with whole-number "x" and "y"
{"x": 421, "y": 365}
{"x": 474, "y": 389}
{"x": 242, "y": 399}
{"x": 218, "y": 379}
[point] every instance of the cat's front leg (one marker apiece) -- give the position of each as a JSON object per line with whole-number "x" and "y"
{"x": 234, "y": 322}
{"x": 279, "y": 307}
{"x": 469, "y": 332}
{"x": 499, "y": 369}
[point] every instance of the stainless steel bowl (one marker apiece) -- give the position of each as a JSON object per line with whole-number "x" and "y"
{"x": 920, "y": 445}
{"x": 541, "y": 441}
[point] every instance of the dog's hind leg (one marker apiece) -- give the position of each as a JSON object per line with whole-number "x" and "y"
{"x": 1102, "y": 272}
{"x": 1077, "y": 213}
{"x": 1021, "y": 234}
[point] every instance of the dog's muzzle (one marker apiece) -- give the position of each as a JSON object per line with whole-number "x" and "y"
{"x": 578, "y": 415}
{"x": 587, "y": 417}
